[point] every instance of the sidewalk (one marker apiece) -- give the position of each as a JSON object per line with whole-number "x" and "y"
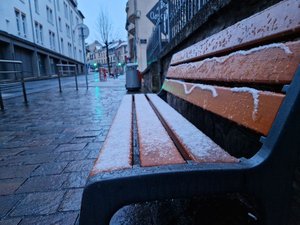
{"x": 48, "y": 148}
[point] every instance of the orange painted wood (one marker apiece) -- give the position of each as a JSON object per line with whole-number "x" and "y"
{"x": 194, "y": 144}
{"x": 156, "y": 147}
{"x": 246, "y": 106}
{"x": 279, "y": 20}
{"x": 116, "y": 152}
{"x": 275, "y": 63}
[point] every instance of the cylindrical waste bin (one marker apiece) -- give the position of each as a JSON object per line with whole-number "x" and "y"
{"x": 133, "y": 80}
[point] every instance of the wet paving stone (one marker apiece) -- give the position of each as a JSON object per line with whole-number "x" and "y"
{"x": 43, "y": 183}
{"x": 93, "y": 154}
{"x": 83, "y": 139}
{"x": 67, "y": 218}
{"x": 50, "y": 169}
{"x": 11, "y": 151}
{"x": 82, "y": 165}
{"x": 16, "y": 171}
{"x": 8, "y": 202}
{"x": 38, "y": 150}
{"x": 29, "y": 159}
{"x": 76, "y": 180}
{"x": 71, "y": 156}
{"x": 9, "y": 186}
{"x": 93, "y": 146}
{"x": 72, "y": 200}
{"x": 48, "y": 148}
{"x": 70, "y": 147}
{"x": 15, "y": 221}
{"x": 39, "y": 203}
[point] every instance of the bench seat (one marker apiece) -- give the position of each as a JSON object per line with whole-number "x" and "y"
{"x": 165, "y": 137}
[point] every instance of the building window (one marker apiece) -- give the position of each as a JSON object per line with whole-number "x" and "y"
{"x": 49, "y": 15}
{"x": 52, "y": 39}
{"x": 41, "y": 34}
{"x": 59, "y": 24}
{"x": 66, "y": 10}
{"x": 38, "y": 32}
{"x": 69, "y": 49}
{"x": 17, "y": 13}
{"x": 77, "y": 20}
{"x": 68, "y": 30}
{"x": 80, "y": 54}
{"x": 21, "y": 23}
{"x": 71, "y": 15}
{"x": 36, "y": 6}
{"x": 23, "y": 16}
{"x": 75, "y": 56}
{"x": 62, "y": 45}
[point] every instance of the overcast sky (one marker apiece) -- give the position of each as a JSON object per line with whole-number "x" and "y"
{"x": 116, "y": 12}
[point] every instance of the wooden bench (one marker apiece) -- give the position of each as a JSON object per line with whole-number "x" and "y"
{"x": 153, "y": 153}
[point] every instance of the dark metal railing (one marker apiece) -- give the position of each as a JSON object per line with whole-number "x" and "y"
{"x": 11, "y": 78}
{"x": 178, "y": 15}
{"x": 181, "y": 12}
{"x": 154, "y": 45}
{"x": 66, "y": 69}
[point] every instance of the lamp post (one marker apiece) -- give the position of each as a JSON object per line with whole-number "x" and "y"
{"x": 83, "y": 34}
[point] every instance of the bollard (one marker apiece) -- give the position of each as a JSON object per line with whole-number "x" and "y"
{"x": 75, "y": 71}
{"x": 59, "y": 82}
{"x": 1, "y": 100}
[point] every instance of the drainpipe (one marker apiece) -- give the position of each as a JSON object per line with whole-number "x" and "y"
{"x": 56, "y": 24}
{"x": 136, "y": 32}
{"x": 35, "y": 60}
{"x": 32, "y": 25}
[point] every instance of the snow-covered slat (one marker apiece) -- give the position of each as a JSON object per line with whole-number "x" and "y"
{"x": 193, "y": 143}
{"x": 249, "y": 107}
{"x": 268, "y": 64}
{"x": 116, "y": 153}
{"x": 155, "y": 145}
{"x": 280, "y": 20}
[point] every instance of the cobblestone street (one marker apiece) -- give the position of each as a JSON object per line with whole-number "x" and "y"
{"x": 48, "y": 148}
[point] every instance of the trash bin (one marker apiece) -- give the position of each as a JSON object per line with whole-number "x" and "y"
{"x": 133, "y": 80}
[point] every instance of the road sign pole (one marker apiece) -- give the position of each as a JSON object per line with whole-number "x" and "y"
{"x": 84, "y": 58}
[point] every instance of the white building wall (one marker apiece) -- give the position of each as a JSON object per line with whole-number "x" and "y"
{"x": 8, "y": 24}
{"x": 8, "y": 18}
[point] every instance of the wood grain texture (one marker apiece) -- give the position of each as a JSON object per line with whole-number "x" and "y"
{"x": 279, "y": 20}
{"x": 193, "y": 144}
{"x": 156, "y": 147}
{"x": 246, "y": 106}
{"x": 270, "y": 64}
{"x": 116, "y": 153}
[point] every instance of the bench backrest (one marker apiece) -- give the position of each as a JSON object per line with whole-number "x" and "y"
{"x": 240, "y": 73}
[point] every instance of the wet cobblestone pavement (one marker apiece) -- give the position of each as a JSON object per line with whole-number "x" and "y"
{"x": 48, "y": 148}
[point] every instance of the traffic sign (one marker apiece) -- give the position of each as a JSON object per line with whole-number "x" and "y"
{"x": 159, "y": 10}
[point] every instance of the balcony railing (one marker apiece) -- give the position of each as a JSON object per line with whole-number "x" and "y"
{"x": 172, "y": 21}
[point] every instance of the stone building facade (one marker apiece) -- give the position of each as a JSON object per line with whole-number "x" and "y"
{"x": 117, "y": 52}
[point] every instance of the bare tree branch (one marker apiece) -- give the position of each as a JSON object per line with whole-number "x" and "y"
{"x": 104, "y": 26}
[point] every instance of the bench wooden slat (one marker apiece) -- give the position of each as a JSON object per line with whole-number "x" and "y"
{"x": 116, "y": 153}
{"x": 156, "y": 147}
{"x": 274, "y": 63}
{"x": 279, "y": 20}
{"x": 193, "y": 143}
{"x": 246, "y": 106}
